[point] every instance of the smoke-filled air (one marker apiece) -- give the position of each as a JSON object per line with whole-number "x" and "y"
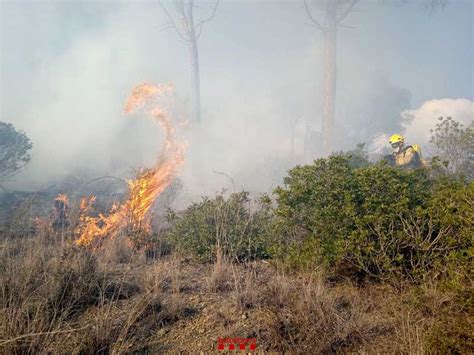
{"x": 233, "y": 175}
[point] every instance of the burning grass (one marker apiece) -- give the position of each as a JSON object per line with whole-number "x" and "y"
{"x": 149, "y": 183}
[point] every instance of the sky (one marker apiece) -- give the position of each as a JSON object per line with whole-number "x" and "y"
{"x": 67, "y": 66}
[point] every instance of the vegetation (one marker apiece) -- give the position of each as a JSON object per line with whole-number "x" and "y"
{"x": 349, "y": 257}
{"x": 374, "y": 221}
{"x": 63, "y": 298}
{"x": 229, "y": 225}
{"x": 14, "y": 150}
{"x": 454, "y": 145}
{"x": 70, "y": 299}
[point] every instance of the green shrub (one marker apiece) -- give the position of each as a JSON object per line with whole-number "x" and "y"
{"x": 454, "y": 145}
{"x": 372, "y": 220}
{"x": 228, "y": 224}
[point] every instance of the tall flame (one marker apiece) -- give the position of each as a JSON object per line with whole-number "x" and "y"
{"x": 150, "y": 182}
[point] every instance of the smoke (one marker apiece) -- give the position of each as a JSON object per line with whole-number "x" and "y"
{"x": 68, "y": 67}
{"x": 74, "y": 114}
{"x": 418, "y": 123}
{"x": 423, "y": 119}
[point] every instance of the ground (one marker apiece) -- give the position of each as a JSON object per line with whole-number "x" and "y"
{"x": 57, "y": 298}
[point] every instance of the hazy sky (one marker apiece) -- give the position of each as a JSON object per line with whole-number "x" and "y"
{"x": 67, "y": 66}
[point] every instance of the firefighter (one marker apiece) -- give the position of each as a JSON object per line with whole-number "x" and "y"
{"x": 405, "y": 156}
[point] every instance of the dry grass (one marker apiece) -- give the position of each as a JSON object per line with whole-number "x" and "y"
{"x": 63, "y": 298}
{"x": 303, "y": 315}
{"x": 57, "y": 298}
{"x": 117, "y": 251}
{"x": 222, "y": 276}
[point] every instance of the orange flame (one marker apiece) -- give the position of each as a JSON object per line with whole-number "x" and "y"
{"x": 62, "y": 198}
{"x": 150, "y": 182}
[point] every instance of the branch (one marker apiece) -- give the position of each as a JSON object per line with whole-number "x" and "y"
{"x": 347, "y": 11}
{"x": 172, "y": 23}
{"x": 347, "y": 26}
{"x": 185, "y": 18}
{"x": 166, "y": 27}
{"x": 312, "y": 18}
{"x": 226, "y": 175}
{"x": 97, "y": 179}
{"x": 202, "y": 22}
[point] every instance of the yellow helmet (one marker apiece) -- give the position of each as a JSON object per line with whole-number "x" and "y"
{"x": 396, "y": 138}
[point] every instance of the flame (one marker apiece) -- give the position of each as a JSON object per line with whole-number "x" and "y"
{"x": 86, "y": 203}
{"x": 149, "y": 183}
{"x": 62, "y": 198}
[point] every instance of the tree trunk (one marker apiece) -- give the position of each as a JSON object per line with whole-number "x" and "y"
{"x": 329, "y": 79}
{"x": 194, "y": 61}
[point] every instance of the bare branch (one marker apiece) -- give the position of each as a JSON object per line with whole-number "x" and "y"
{"x": 165, "y": 27}
{"x": 313, "y": 25}
{"x": 213, "y": 13}
{"x": 346, "y": 11}
{"x": 433, "y": 5}
{"x": 347, "y": 26}
{"x": 186, "y": 18}
{"x": 226, "y": 175}
{"x": 308, "y": 12}
{"x": 202, "y": 22}
{"x": 172, "y": 23}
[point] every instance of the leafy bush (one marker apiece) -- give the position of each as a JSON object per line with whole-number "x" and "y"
{"x": 373, "y": 220}
{"x": 454, "y": 144}
{"x": 14, "y": 150}
{"x": 228, "y": 225}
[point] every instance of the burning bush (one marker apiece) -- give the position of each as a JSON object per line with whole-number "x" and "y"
{"x": 226, "y": 224}
{"x": 373, "y": 221}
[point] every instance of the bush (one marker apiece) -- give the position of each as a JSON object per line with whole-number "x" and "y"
{"x": 374, "y": 220}
{"x": 15, "y": 149}
{"x": 454, "y": 144}
{"x": 228, "y": 225}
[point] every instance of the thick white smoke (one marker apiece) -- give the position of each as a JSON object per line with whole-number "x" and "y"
{"x": 424, "y": 118}
{"x": 418, "y": 122}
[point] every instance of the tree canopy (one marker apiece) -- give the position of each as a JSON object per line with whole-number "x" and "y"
{"x": 15, "y": 149}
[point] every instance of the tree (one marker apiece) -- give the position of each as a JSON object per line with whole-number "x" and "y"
{"x": 190, "y": 33}
{"x": 14, "y": 150}
{"x": 335, "y": 11}
{"x": 454, "y": 144}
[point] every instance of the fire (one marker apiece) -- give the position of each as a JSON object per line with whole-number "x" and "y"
{"x": 62, "y": 198}
{"x": 149, "y": 183}
{"x": 61, "y": 206}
